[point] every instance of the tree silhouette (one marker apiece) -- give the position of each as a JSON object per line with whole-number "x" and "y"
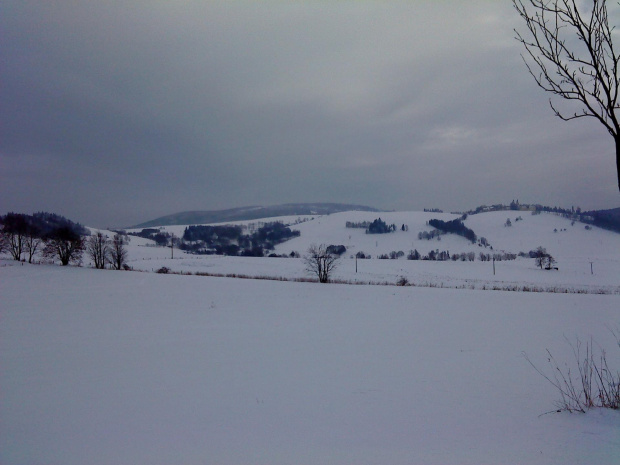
{"x": 118, "y": 251}
{"x": 65, "y": 244}
{"x": 320, "y": 262}
{"x": 98, "y": 249}
{"x": 570, "y": 53}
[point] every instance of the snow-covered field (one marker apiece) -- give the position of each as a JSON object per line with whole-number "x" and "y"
{"x": 105, "y": 367}
{"x": 588, "y": 260}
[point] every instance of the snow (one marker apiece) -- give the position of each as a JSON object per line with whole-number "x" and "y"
{"x": 114, "y": 367}
{"x": 588, "y": 260}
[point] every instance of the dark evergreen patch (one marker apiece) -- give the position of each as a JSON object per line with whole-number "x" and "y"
{"x": 454, "y": 227}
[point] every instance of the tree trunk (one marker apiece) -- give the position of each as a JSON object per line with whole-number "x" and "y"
{"x": 617, "y": 141}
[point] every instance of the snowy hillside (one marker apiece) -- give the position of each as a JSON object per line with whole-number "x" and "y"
{"x": 114, "y": 367}
{"x": 588, "y": 259}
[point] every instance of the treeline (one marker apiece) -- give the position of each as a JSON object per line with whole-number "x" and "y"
{"x": 230, "y": 240}
{"x": 444, "y": 255}
{"x": 454, "y": 227}
{"x": 54, "y": 237}
{"x": 377, "y": 226}
{"x": 210, "y": 234}
{"x": 428, "y": 235}
{"x": 516, "y": 206}
{"x": 358, "y": 225}
{"x": 40, "y": 224}
{"x": 161, "y": 238}
{"x": 23, "y": 236}
{"x": 606, "y": 219}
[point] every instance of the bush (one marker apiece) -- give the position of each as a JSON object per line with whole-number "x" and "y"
{"x": 336, "y": 249}
{"x": 593, "y": 384}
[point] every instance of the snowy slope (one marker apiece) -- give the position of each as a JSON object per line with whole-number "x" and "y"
{"x": 106, "y": 367}
{"x": 588, "y": 260}
{"x": 570, "y": 241}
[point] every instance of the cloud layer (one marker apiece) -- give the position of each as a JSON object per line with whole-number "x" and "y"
{"x": 113, "y": 113}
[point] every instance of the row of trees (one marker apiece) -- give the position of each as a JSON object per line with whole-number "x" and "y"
{"x": 161, "y": 238}
{"x": 428, "y": 235}
{"x": 103, "y": 251}
{"x": 56, "y": 238}
{"x": 25, "y": 235}
{"x": 230, "y": 240}
{"x": 321, "y": 260}
{"x": 358, "y": 225}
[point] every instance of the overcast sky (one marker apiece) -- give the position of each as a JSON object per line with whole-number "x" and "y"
{"x": 116, "y": 112}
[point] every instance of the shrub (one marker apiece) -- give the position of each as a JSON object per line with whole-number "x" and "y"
{"x": 336, "y": 249}
{"x": 592, "y": 384}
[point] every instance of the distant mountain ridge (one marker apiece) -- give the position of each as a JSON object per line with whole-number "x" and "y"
{"x": 252, "y": 213}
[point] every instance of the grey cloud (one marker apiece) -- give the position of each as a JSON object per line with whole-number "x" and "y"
{"x": 113, "y": 113}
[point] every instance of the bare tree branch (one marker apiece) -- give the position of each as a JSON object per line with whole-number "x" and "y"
{"x": 569, "y": 51}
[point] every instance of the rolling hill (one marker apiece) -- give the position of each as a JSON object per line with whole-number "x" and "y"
{"x": 588, "y": 257}
{"x": 104, "y": 367}
{"x": 250, "y": 213}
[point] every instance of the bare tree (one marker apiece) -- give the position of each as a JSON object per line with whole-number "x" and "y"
{"x": 66, "y": 245}
{"x": 14, "y": 243}
{"x": 320, "y": 262}
{"x": 14, "y": 230}
{"x": 540, "y": 256}
{"x": 570, "y": 53}
{"x": 32, "y": 241}
{"x": 550, "y": 263}
{"x": 118, "y": 252}
{"x": 98, "y": 249}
